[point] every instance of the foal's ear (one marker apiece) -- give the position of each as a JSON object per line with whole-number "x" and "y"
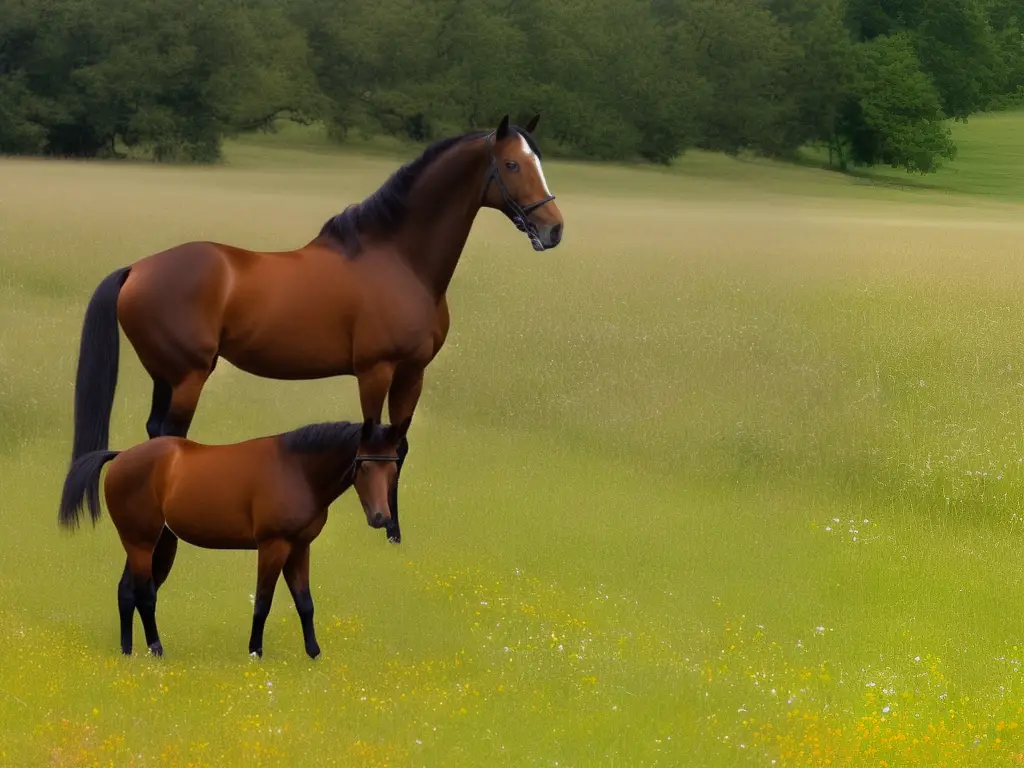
{"x": 367, "y": 433}
{"x": 532, "y": 125}
{"x": 502, "y": 131}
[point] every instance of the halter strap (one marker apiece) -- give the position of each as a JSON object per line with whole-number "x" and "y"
{"x": 359, "y": 459}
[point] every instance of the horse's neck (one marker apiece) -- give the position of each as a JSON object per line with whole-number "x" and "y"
{"x": 442, "y": 208}
{"x": 328, "y": 472}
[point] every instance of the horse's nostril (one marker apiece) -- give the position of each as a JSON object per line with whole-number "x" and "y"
{"x": 556, "y": 234}
{"x": 378, "y": 519}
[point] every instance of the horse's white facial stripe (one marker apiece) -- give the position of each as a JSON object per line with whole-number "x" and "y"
{"x": 536, "y": 161}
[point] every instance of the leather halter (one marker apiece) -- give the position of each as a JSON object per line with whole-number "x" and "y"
{"x": 519, "y": 214}
{"x": 360, "y": 458}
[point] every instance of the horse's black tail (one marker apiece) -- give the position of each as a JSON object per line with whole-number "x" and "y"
{"x": 83, "y": 485}
{"x": 97, "y": 367}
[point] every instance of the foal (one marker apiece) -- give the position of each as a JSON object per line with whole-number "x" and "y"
{"x": 270, "y": 494}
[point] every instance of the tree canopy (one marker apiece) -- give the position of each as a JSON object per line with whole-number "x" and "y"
{"x": 875, "y": 81}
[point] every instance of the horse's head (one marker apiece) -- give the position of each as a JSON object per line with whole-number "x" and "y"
{"x": 516, "y": 185}
{"x": 376, "y": 467}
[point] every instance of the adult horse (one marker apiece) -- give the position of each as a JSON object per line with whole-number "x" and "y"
{"x": 365, "y": 297}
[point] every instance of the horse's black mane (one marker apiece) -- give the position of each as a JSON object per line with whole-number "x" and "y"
{"x": 384, "y": 211}
{"x": 326, "y": 436}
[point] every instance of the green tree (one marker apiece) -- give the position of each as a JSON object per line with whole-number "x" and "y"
{"x": 171, "y": 77}
{"x": 896, "y": 116}
{"x": 953, "y": 41}
{"x": 823, "y": 73}
{"x": 745, "y": 57}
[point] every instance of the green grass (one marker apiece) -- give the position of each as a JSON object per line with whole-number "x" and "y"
{"x": 989, "y": 161}
{"x": 734, "y": 476}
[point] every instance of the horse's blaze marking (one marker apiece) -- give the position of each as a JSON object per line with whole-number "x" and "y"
{"x": 536, "y": 161}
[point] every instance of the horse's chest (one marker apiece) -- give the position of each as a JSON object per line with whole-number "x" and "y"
{"x": 397, "y": 328}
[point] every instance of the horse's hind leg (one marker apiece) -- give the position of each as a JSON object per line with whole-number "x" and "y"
{"x": 160, "y": 405}
{"x": 126, "y": 609}
{"x": 184, "y": 400}
{"x": 296, "y": 576}
{"x": 273, "y": 555}
{"x": 163, "y": 556}
{"x": 140, "y": 563}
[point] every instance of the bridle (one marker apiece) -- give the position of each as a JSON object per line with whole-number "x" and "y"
{"x": 361, "y": 458}
{"x": 519, "y": 214}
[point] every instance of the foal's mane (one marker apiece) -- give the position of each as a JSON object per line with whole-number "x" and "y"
{"x": 384, "y": 211}
{"x": 326, "y": 436}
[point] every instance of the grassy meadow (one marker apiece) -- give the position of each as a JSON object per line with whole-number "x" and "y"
{"x": 733, "y": 477}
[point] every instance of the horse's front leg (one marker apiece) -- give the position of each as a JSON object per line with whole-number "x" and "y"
{"x": 374, "y": 383}
{"x": 402, "y": 400}
{"x": 296, "y": 576}
{"x": 272, "y": 555}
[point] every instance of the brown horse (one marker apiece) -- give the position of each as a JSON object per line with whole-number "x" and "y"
{"x": 366, "y": 297}
{"x": 270, "y": 494}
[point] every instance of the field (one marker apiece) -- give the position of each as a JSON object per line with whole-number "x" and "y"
{"x": 735, "y": 476}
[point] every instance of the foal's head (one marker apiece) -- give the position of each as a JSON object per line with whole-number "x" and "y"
{"x": 516, "y": 185}
{"x": 376, "y": 467}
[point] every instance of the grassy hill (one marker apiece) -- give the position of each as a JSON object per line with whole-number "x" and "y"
{"x": 989, "y": 165}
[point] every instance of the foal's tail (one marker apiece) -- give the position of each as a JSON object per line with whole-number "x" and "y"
{"x": 83, "y": 485}
{"x": 97, "y": 367}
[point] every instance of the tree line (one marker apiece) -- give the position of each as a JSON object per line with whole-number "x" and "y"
{"x": 873, "y": 81}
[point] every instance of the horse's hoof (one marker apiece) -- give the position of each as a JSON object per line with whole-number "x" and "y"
{"x": 126, "y": 651}
{"x": 313, "y": 652}
{"x": 255, "y": 653}
{"x": 157, "y": 648}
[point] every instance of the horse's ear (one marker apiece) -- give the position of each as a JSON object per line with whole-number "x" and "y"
{"x": 532, "y": 125}
{"x": 502, "y": 131}
{"x": 367, "y": 433}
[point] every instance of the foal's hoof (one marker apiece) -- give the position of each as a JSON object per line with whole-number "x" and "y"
{"x": 394, "y": 535}
{"x": 157, "y": 648}
{"x": 255, "y": 653}
{"x": 313, "y": 651}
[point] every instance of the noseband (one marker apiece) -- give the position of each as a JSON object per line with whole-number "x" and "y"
{"x": 360, "y": 458}
{"x": 517, "y": 213}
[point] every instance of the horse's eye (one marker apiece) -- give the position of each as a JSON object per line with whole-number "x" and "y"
{"x": 512, "y": 165}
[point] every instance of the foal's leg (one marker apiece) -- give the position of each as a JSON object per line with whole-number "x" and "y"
{"x": 273, "y": 555}
{"x": 140, "y": 563}
{"x": 296, "y": 576}
{"x": 165, "y": 546}
{"x": 163, "y": 556}
{"x": 402, "y": 399}
{"x": 126, "y": 609}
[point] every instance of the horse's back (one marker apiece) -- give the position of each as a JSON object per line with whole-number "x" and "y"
{"x": 290, "y": 314}
{"x": 210, "y": 491}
